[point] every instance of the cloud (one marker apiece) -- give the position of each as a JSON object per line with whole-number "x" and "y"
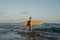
{"x": 25, "y": 13}
{"x": 1, "y": 12}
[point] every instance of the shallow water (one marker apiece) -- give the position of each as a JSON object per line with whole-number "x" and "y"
{"x": 8, "y": 32}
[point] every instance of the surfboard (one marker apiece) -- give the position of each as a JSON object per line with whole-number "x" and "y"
{"x": 34, "y": 22}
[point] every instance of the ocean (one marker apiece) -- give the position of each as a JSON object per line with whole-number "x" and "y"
{"x": 9, "y": 31}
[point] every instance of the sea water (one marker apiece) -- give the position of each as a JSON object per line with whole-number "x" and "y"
{"x": 8, "y": 32}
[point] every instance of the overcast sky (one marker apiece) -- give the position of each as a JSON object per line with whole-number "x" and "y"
{"x": 21, "y": 10}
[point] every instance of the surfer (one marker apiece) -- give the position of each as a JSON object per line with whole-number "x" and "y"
{"x": 30, "y": 24}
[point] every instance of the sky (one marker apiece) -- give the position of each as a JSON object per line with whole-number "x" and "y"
{"x": 21, "y": 10}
